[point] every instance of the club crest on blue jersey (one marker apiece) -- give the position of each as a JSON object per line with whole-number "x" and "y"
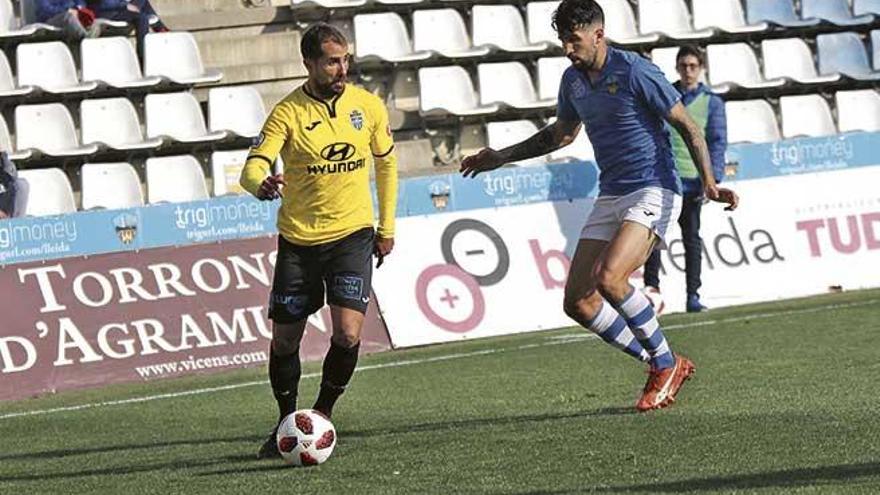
{"x": 612, "y": 87}
{"x": 357, "y": 119}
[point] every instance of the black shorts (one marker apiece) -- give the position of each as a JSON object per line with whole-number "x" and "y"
{"x": 344, "y": 267}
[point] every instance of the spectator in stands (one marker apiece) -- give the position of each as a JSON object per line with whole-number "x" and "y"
{"x": 707, "y": 109}
{"x": 73, "y": 17}
{"x": 13, "y": 189}
{"x": 137, "y": 12}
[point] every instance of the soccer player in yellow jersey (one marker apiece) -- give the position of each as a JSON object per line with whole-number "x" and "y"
{"x": 327, "y": 132}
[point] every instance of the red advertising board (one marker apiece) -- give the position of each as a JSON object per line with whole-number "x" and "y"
{"x": 166, "y": 312}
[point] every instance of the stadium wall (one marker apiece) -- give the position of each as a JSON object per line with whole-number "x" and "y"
{"x": 167, "y": 290}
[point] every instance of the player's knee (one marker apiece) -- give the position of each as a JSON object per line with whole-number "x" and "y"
{"x": 580, "y": 309}
{"x": 284, "y": 346}
{"x": 346, "y": 340}
{"x": 609, "y": 281}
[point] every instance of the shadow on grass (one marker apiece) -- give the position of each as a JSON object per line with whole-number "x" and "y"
{"x": 787, "y": 478}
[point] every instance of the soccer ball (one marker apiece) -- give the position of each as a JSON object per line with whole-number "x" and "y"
{"x": 656, "y": 299}
{"x": 306, "y": 438}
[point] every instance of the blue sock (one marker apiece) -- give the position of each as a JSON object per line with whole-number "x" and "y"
{"x": 640, "y": 316}
{"x": 611, "y": 328}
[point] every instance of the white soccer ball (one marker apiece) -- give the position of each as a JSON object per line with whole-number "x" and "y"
{"x": 656, "y": 299}
{"x": 306, "y": 438}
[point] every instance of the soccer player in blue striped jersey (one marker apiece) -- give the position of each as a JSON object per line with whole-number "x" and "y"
{"x": 625, "y": 103}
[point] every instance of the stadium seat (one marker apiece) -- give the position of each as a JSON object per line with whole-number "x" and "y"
{"x": 8, "y": 87}
{"x": 726, "y": 15}
{"x": 175, "y": 179}
{"x": 736, "y": 63}
{"x": 502, "y": 26}
{"x": 49, "y": 66}
{"x": 858, "y": 110}
{"x": 113, "y": 122}
{"x": 550, "y": 70}
{"x": 509, "y": 83}
{"x": 670, "y": 18}
{"x": 620, "y": 24}
{"x": 503, "y": 134}
{"x": 111, "y": 186}
{"x": 398, "y": 2}
{"x": 175, "y": 55}
{"x": 50, "y": 192}
{"x": 384, "y": 36}
{"x": 862, "y": 7}
{"x": 113, "y": 61}
{"x": 443, "y": 31}
{"x": 844, "y": 53}
{"x": 875, "y": 48}
{"x": 49, "y": 129}
{"x": 327, "y": 4}
{"x": 27, "y": 27}
{"x": 538, "y": 17}
{"x": 238, "y": 109}
{"x": 225, "y": 170}
{"x": 449, "y": 90}
{"x": 6, "y": 143}
{"x": 779, "y": 12}
{"x": 178, "y": 116}
{"x": 834, "y": 11}
{"x": 751, "y": 121}
{"x": 806, "y": 115}
{"x": 580, "y": 149}
{"x": 791, "y": 58}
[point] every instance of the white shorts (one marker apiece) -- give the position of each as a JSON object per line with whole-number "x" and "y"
{"x": 654, "y": 207}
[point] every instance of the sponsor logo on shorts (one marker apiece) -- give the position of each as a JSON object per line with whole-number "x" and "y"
{"x": 349, "y": 287}
{"x": 293, "y": 304}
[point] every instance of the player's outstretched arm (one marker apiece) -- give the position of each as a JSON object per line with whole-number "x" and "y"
{"x": 550, "y": 138}
{"x": 699, "y": 151}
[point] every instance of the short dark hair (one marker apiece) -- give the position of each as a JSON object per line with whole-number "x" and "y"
{"x": 690, "y": 51}
{"x": 572, "y": 14}
{"x": 315, "y": 36}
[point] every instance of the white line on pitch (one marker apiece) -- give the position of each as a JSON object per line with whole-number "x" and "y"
{"x": 555, "y": 340}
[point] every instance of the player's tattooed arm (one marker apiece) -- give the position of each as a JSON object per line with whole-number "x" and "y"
{"x": 550, "y": 138}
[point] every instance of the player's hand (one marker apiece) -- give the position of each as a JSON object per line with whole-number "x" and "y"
{"x": 382, "y": 247}
{"x": 271, "y": 188}
{"x": 487, "y": 159}
{"x": 722, "y": 195}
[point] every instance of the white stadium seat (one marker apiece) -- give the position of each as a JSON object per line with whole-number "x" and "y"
{"x": 384, "y": 36}
{"x": 791, "y": 58}
{"x": 111, "y": 186}
{"x": 806, "y": 115}
{"x": 727, "y": 15}
{"x": 113, "y": 61}
{"x": 175, "y": 179}
{"x": 113, "y": 122}
{"x": 736, "y": 63}
{"x": 178, "y": 116}
{"x": 550, "y": 70}
{"x": 503, "y": 134}
{"x": 49, "y": 128}
{"x": 50, "y": 192}
{"x": 449, "y": 90}
{"x": 443, "y": 31}
{"x": 670, "y": 18}
{"x": 225, "y": 170}
{"x": 858, "y": 110}
{"x": 8, "y": 86}
{"x": 238, "y": 109}
{"x": 502, "y": 26}
{"x": 509, "y": 83}
{"x": 6, "y": 143}
{"x": 327, "y": 4}
{"x": 539, "y": 16}
{"x": 175, "y": 55}
{"x": 49, "y": 66}
{"x": 620, "y": 23}
{"x": 751, "y": 121}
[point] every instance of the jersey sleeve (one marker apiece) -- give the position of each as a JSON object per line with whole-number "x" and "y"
{"x": 564, "y": 107}
{"x": 382, "y": 147}
{"x": 262, "y": 155}
{"x": 650, "y": 85}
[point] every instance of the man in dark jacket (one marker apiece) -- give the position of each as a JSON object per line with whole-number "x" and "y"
{"x": 13, "y": 190}
{"x": 72, "y": 16}
{"x": 136, "y": 12}
{"x": 707, "y": 109}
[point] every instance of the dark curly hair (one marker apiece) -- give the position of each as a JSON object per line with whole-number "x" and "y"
{"x": 572, "y": 14}
{"x": 315, "y": 36}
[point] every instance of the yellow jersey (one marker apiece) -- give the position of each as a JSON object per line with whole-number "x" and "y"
{"x": 327, "y": 147}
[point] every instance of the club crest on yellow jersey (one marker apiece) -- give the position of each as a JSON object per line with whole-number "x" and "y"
{"x": 357, "y": 119}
